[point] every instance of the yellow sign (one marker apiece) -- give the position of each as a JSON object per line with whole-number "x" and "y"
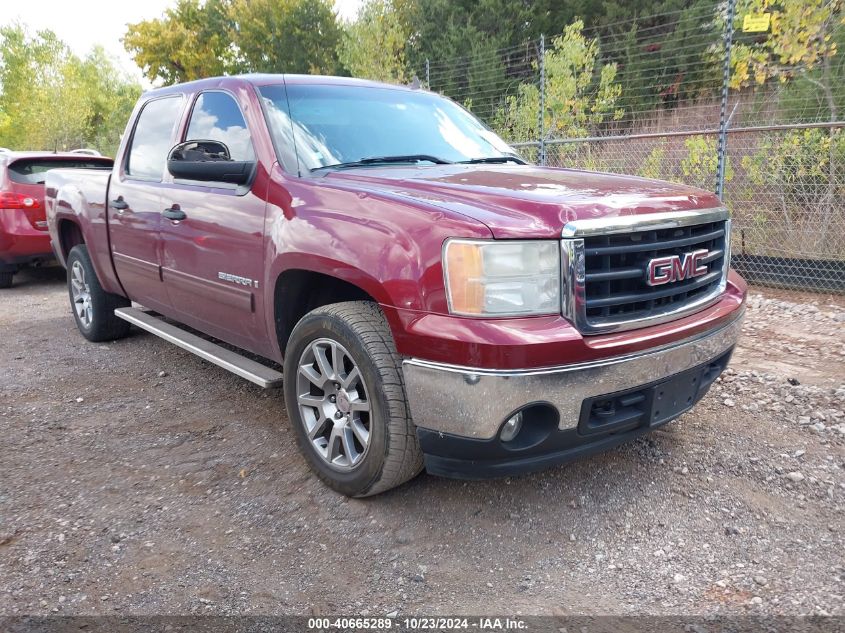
{"x": 756, "y": 22}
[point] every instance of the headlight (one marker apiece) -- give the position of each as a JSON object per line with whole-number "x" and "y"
{"x": 486, "y": 278}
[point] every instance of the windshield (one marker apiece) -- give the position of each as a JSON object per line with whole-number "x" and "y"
{"x": 331, "y": 125}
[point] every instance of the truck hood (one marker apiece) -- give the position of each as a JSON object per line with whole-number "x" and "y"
{"x": 524, "y": 201}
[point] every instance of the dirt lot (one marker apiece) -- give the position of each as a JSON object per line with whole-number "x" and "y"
{"x": 137, "y": 479}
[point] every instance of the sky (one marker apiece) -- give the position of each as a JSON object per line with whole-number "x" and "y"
{"x": 82, "y": 24}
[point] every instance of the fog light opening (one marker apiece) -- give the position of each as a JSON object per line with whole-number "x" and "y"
{"x": 511, "y": 428}
{"x": 530, "y": 425}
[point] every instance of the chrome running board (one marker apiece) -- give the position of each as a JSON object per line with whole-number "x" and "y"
{"x": 257, "y": 373}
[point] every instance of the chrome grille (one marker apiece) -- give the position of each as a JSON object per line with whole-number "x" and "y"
{"x": 606, "y": 263}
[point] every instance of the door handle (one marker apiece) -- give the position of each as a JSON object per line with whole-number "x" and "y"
{"x": 120, "y": 204}
{"x": 174, "y": 213}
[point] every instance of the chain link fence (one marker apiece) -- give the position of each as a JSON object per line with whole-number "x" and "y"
{"x": 650, "y": 98}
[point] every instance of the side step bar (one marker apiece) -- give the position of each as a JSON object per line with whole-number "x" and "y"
{"x": 227, "y": 359}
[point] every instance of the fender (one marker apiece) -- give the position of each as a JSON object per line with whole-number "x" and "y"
{"x": 81, "y": 204}
{"x": 371, "y": 241}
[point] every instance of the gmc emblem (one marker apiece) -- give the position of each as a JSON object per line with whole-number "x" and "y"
{"x": 664, "y": 270}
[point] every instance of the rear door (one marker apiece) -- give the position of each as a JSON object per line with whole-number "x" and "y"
{"x": 212, "y": 260}
{"x": 135, "y": 203}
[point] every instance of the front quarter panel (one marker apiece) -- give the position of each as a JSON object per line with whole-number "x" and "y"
{"x": 385, "y": 245}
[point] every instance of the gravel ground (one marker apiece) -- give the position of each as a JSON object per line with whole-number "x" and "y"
{"x": 137, "y": 479}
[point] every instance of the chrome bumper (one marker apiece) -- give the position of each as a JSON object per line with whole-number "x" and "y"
{"x": 475, "y": 402}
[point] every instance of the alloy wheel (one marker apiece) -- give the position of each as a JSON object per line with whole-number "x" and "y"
{"x": 81, "y": 294}
{"x": 333, "y": 404}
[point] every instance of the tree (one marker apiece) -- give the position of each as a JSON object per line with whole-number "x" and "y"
{"x": 574, "y": 99}
{"x": 801, "y": 45}
{"x": 285, "y": 36}
{"x": 373, "y": 45}
{"x": 665, "y": 56}
{"x": 189, "y": 42}
{"x": 51, "y": 99}
{"x": 462, "y": 39}
{"x": 449, "y": 29}
{"x": 800, "y": 39}
{"x": 24, "y": 61}
{"x": 110, "y": 96}
{"x": 199, "y": 39}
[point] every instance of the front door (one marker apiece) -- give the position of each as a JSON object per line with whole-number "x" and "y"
{"x": 212, "y": 259}
{"x": 135, "y": 204}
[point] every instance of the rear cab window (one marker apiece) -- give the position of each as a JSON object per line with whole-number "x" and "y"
{"x": 152, "y": 138}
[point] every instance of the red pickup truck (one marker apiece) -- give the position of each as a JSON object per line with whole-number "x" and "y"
{"x": 434, "y": 300}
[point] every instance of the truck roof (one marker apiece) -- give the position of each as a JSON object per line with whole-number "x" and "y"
{"x": 266, "y": 79}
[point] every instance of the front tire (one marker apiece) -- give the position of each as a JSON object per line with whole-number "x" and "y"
{"x": 6, "y": 280}
{"x": 93, "y": 308}
{"x": 345, "y": 397}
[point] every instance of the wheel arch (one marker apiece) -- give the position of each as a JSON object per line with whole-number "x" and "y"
{"x": 70, "y": 235}
{"x": 298, "y": 291}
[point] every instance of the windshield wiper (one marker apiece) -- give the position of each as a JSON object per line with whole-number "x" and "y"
{"x": 385, "y": 160}
{"x": 494, "y": 160}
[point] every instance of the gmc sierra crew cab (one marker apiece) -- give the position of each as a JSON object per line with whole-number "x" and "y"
{"x": 433, "y": 300}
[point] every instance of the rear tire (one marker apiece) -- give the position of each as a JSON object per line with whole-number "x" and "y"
{"x": 345, "y": 396}
{"x": 93, "y": 308}
{"x": 6, "y": 280}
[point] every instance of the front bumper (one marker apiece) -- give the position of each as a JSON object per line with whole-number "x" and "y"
{"x": 459, "y": 411}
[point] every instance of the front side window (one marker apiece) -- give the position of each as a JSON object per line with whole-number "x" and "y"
{"x": 217, "y": 117}
{"x": 152, "y": 138}
{"x": 330, "y": 125}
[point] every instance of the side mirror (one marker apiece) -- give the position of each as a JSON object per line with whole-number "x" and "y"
{"x": 207, "y": 161}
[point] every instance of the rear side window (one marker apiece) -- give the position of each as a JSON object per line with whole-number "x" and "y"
{"x": 217, "y": 117}
{"x": 152, "y": 138}
{"x": 32, "y": 171}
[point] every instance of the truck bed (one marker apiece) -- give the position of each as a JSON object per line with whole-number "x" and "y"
{"x": 76, "y": 201}
{"x": 86, "y": 187}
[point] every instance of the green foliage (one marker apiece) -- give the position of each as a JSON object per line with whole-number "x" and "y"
{"x": 801, "y": 172}
{"x": 284, "y": 36}
{"x": 373, "y": 46}
{"x": 110, "y": 97}
{"x": 653, "y": 165}
{"x": 451, "y": 29}
{"x": 463, "y": 40}
{"x": 189, "y": 42}
{"x": 51, "y": 99}
{"x": 797, "y": 161}
{"x": 701, "y": 163}
{"x": 800, "y": 38}
{"x": 204, "y": 39}
{"x": 666, "y": 63}
{"x": 575, "y": 98}
{"x": 661, "y": 44}
{"x": 484, "y": 75}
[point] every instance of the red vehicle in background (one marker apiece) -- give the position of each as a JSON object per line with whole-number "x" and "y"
{"x": 24, "y": 239}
